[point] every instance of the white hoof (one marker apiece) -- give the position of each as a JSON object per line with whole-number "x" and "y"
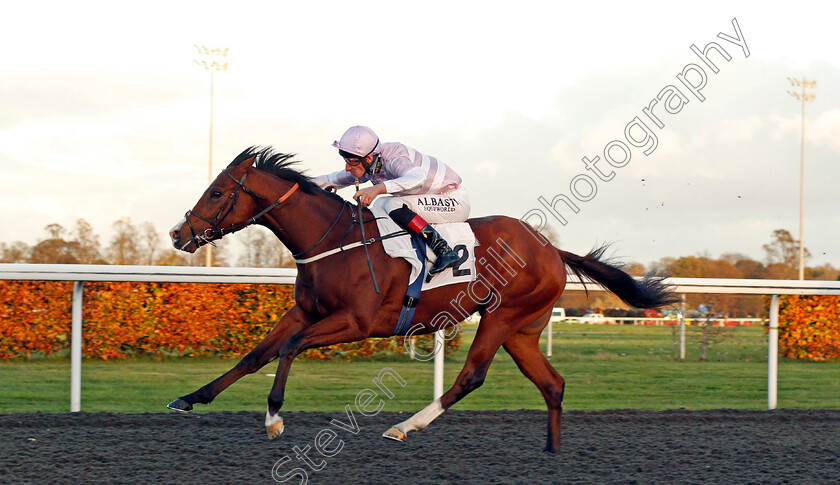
{"x": 394, "y": 434}
{"x": 273, "y": 425}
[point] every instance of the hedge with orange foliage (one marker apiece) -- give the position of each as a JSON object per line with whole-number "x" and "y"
{"x": 123, "y": 319}
{"x": 809, "y": 327}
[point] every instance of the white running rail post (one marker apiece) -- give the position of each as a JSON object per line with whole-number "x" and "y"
{"x": 439, "y": 351}
{"x": 773, "y": 353}
{"x": 548, "y": 340}
{"x": 682, "y": 326}
{"x": 76, "y": 349}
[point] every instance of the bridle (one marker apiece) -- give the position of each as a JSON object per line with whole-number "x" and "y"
{"x": 214, "y": 231}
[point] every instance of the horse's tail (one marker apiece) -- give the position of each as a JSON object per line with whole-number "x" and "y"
{"x": 650, "y": 292}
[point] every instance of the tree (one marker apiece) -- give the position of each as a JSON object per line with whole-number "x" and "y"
{"x": 780, "y": 271}
{"x": 702, "y": 267}
{"x": 86, "y": 243}
{"x": 16, "y": 252}
{"x": 124, "y": 247}
{"x": 635, "y": 269}
{"x": 54, "y": 249}
{"x": 709, "y": 334}
{"x": 55, "y": 230}
{"x": 660, "y": 267}
{"x": 734, "y": 257}
{"x": 706, "y": 267}
{"x": 824, "y": 272}
{"x": 783, "y": 248}
{"x": 173, "y": 257}
{"x": 220, "y": 256}
{"x": 750, "y": 269}
{"x": 263, "y": 249}
{"x": 149, "y": 242}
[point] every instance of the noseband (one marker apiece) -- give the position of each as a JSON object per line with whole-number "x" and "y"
{"x": 214, "y": 232}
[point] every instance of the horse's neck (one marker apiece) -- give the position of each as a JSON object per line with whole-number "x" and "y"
{"x": 311, "y": 223}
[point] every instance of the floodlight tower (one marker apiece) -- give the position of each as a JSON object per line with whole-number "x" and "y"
{"x": 803, "y": 96}
{"x": 209, "y": 62}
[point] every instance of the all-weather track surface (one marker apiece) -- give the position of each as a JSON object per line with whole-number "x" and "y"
{"x": 621, "y": 446}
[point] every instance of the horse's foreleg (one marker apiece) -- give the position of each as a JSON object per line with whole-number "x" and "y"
{"x": 337, "y": 328}
{"x": 525, "y": 350}
{"x": 263, "y": 353}
{"x": 487, "y": 342}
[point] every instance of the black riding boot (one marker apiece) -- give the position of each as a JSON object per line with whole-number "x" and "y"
{"x": 446, "y": 257}
{"x": 409, "y": 220}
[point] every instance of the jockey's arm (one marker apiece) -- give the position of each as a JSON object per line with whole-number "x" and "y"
{"x": 411, "y": 178}
{"x": 407, "y": 176}
{"x": 339, "y": 180}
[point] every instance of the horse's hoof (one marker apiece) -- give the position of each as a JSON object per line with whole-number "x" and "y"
{"x": 394, "y": 434}
{"x": 273, "y": 426}
{"x": 180, "y": 405}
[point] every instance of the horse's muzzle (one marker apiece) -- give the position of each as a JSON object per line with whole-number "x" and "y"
{"x": 177, "y": 242}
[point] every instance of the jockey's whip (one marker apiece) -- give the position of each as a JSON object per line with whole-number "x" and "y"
{"x": 364, "y": 240}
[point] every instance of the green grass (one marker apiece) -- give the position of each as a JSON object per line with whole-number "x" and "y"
{"x": 605, "y": 366}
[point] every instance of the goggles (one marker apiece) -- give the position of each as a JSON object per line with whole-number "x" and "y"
{"x": 350, "y": 158}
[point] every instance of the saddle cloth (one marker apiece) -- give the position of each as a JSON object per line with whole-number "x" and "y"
{"x": 459, "y": 235}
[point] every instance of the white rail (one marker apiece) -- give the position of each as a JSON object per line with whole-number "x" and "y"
{"x": 194, "y": 274}
{"x": 716, "y": 321}
{"x": 750, "y": 287}
{"x": 741, "y": 286}
{"x": 79, "y": 273}
{"x": 146, "y": 274}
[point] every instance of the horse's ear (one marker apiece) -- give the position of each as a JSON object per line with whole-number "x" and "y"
{"x": 249, "y": 162}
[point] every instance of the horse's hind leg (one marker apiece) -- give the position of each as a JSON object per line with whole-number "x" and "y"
{"x": 525, "y": 350}
{"x": 487, "y": 341}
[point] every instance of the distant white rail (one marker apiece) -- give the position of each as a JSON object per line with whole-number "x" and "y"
{"x": 747, "y": 287}
{"x": 716, "y": 322}
{"x": 195, "y": 274}
{"x": 740, "y": 286}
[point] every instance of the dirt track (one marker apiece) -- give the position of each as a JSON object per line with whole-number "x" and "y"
{"x": 626, "y": 446}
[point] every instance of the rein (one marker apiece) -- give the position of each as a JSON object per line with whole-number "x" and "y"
{"x": 362, "y": 227}
{"x": 214, "y": 231}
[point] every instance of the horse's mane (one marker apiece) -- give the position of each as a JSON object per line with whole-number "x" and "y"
{"x": 280, "y": 165}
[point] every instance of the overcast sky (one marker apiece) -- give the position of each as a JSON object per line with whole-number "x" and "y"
{"x": 105, "y": 113}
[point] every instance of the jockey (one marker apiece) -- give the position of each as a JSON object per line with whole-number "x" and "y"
{"x": 420, "y": 189}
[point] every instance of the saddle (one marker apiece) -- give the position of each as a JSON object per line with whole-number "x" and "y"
{"x": 461, "y": 239}
{"x": 459, "y": 235}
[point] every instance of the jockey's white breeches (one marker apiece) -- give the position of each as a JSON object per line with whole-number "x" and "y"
{"x": 452, "y": 206}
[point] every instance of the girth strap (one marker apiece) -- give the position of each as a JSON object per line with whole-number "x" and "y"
{"x": 348, "y": 247}
{"x": 412, "y": 295}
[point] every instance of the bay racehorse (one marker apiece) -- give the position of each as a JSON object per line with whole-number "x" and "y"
{"x": 519, "y": 277}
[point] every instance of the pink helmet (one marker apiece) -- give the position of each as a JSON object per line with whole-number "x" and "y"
{"x": 358, "y": 140}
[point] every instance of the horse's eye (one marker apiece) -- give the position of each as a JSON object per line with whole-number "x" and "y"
{"x": 216, "y": 194}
